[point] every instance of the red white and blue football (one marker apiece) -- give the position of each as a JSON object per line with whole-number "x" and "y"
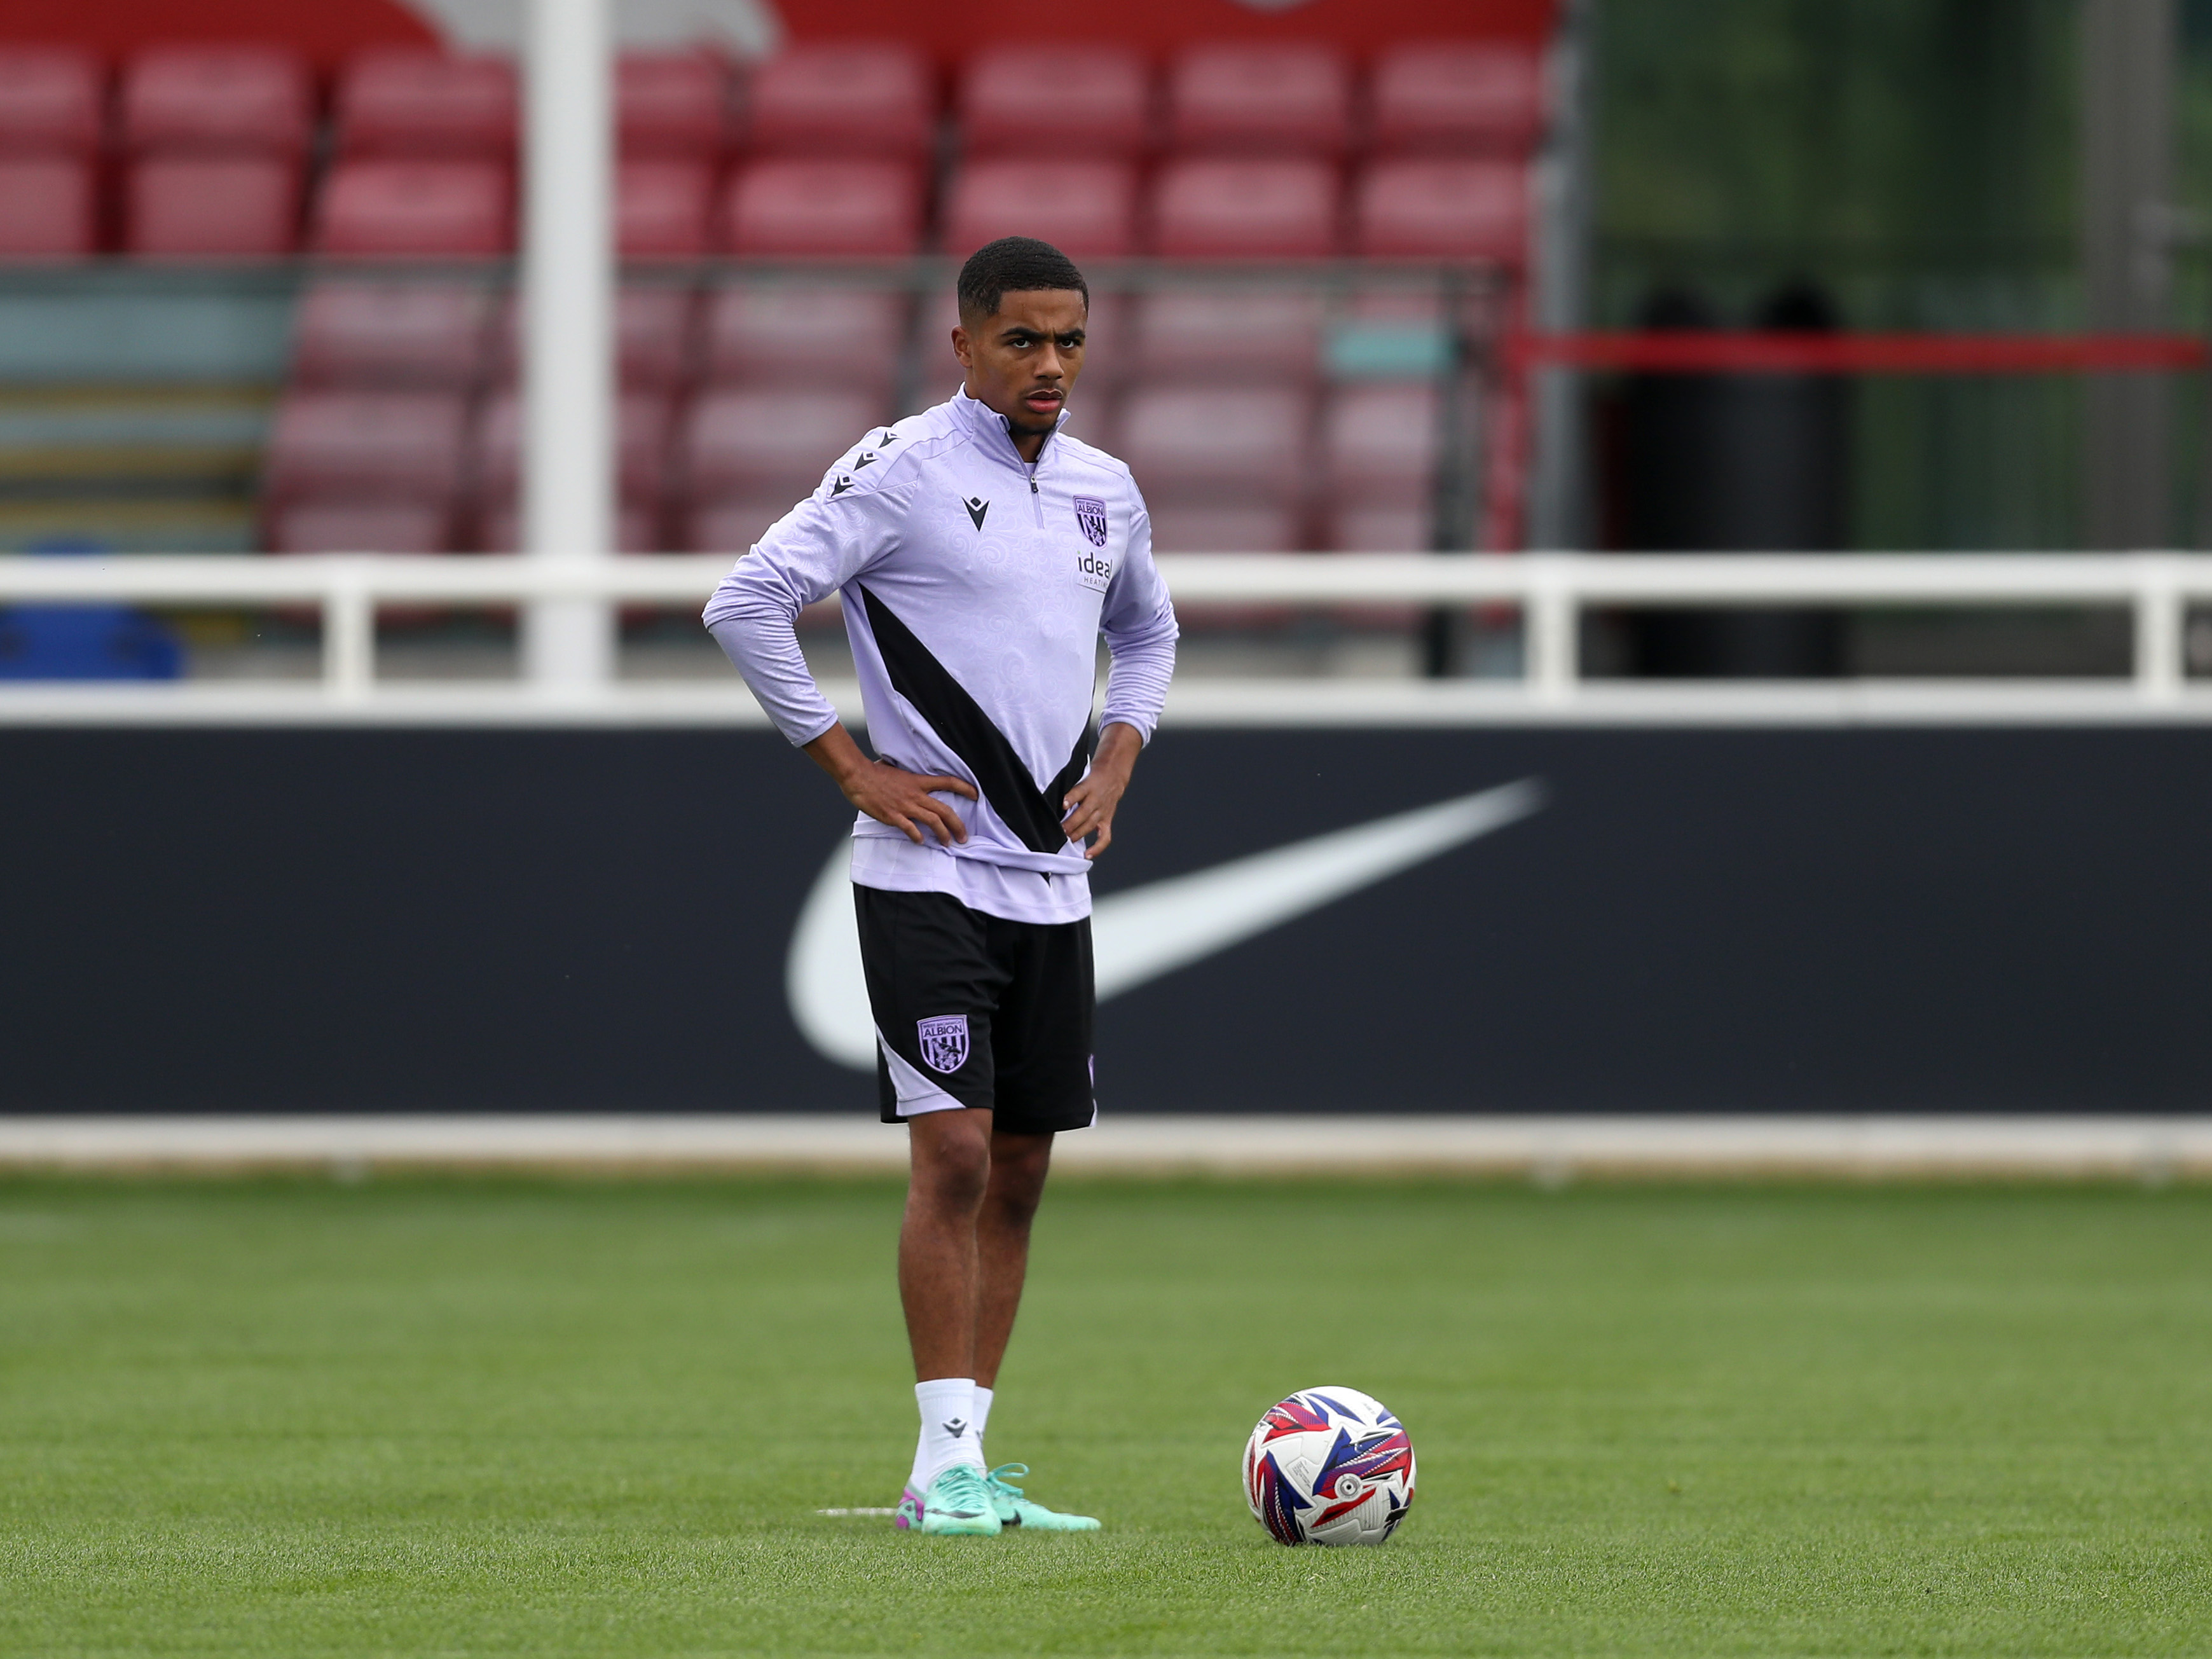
{"x": 1329, "y": 1466}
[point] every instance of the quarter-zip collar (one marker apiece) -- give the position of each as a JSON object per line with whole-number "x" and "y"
{"x": 999, "y": 433}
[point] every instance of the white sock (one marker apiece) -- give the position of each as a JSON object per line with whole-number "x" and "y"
{"x": 950, "y": 1432}
{"x": 924, "y": 1463}
{"x": 982, "y": 1414}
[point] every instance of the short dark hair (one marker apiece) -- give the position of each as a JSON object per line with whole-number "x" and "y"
{"x": 1015, "y": 264}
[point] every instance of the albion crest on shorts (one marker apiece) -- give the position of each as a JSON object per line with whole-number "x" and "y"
{"x": 1090, "y": 513}
{"x": 944, "y": 1042}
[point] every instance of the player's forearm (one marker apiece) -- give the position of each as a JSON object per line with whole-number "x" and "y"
{"x": 762, "y": 643}
{"x": 1137, "y": 684}
{"x": 836, "y": 753}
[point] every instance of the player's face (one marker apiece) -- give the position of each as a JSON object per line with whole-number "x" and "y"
{"x": 1022, "y": 360}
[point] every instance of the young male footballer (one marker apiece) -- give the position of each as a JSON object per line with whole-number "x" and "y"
{"x": 979, "y": 552}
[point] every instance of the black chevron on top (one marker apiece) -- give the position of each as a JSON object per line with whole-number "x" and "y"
{"x": 959, "y": 721}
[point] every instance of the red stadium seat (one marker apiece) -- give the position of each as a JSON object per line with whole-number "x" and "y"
{"x": 380, "y": 446}
{"x": 1246, "y": 210}
{"x": 222, "y": 99}
{"x": 844, "y": 97}
{"x": 1443, "y": 210}
{"x": 816, "y": 208}
{"x": 655, "y": 341}
{"x": 313, "y": 527}
{"x": 50, "y": 101}
{"x": 415, "y": 209}
{"x": 635, "y": 531}
{"x": 1218, "y": 445}
{"x": 212, "y": 207}
{"x": 663, "y": 209}
{"x": 758, "y": 444}
{"x": 1457, "y": 97}
{"x": 1379, "y": 445}
{"x": 1205, "y": 331}
{"x": 46, "y": 208}
{"x": 1381, "y": 530}
{"x": 1188, "y": 527}
{"x": 1087, "y": 209}
{"x": 1261, "y": 99}
{"x": 1056, "y": 102}
{"x": 671, "y": 105}
{"x": 643, "y": 421}
{"x": 393, "y": 335}
{"x": 421, "y": 103}
{"x": 787, "y": 335}
{"x": 654, "y": 337}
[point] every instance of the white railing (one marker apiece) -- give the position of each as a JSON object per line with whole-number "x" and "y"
{"x": 1550, "y": 592}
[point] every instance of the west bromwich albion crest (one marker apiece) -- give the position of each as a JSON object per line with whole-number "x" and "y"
{"x": 944, "y": 1042}
{"x": 1090, "y": 513}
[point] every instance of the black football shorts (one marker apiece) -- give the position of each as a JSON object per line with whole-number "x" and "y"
{"x": 974, "y": 1010}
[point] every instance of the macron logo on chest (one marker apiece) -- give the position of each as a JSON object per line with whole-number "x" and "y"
{"x": 977, "y": 506}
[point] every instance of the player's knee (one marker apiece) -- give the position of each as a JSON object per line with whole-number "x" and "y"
{"x": 953, "y": 1166}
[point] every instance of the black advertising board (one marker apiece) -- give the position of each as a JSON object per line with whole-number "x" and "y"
{"x": 1479, "y": 919}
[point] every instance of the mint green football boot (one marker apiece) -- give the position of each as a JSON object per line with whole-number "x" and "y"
{"x": 958, "y": 1502}
{"x": 1016, "y": 1510}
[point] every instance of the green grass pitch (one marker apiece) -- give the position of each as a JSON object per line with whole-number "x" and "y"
{"x": 299, "y": 1418}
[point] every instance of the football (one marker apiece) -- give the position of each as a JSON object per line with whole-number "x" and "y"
{"x": 1329, "y": 1466}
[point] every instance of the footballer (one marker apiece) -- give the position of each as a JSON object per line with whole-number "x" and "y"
{"x": 979, "y": 552}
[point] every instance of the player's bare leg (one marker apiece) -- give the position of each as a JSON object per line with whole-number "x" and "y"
{"x": 951, "y": 1153}
{"x": 1019, "y": 1164}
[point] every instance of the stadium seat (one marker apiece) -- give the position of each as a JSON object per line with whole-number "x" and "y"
{"x": 228, "y": 100}
{"x": 404, "y": 103}
{"x": 1087, "y": 209}
{"x": 1379, "y": 445}
{"x": 500, "y": 531}
{"x": 653, "y": 339}
{"x": 46, "y": 208}
{"x": 1189, "y": 527}
{"x": 877, "y": 100}
{"x": 1380, "y": 530}
{"x": 415, "y": 209}
{"x": 793, "y": 336}
{"x": 387, "y": 447}
{"x": 1457, "y": 97}
{"x": 1218, "y": 445}
{"x": 1443, "y": 210}
{"x": 1263, "y": 98}
{"x": 663, "y": 209}
{"x": 757, "y": 445}
{"x": 50, "y": 101}
{"x": 642, "y": 425}
{"x": 212, "y": 207}
{"x": 1205, "y": 332}
{"x": 673, "y": 106}
{"x": 1056, "y": 102}
{"x": 315, "y": 526}
{"x": 816, "y": 208}
{"x": 393, "y": 336}
{"x": 1245, "y": 209}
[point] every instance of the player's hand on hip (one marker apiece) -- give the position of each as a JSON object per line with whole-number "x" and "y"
{"x": 1090, "y": 805}
{"x": 907, "y": 801}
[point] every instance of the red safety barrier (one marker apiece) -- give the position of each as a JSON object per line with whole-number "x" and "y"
{"x": 1689, "y": 351}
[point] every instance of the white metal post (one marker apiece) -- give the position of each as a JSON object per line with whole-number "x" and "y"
{"x": 569, "y": 354}
{"x": 2160, "y": 676}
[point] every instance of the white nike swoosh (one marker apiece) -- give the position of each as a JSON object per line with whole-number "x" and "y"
{"x": 1148, "y": 931}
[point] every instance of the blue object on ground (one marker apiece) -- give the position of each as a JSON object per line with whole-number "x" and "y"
{"x": 85, "y": 641}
